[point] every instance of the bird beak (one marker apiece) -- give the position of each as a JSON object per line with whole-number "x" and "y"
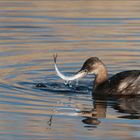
{"x": 82, "y": 72}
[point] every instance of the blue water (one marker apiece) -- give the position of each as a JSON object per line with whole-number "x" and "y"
{"x": 30, "y": 33}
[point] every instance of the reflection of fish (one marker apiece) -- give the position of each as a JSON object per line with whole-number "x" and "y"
{"x": 67, "y": 78}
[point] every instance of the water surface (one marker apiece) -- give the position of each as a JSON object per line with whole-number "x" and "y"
{"x": 30, "y": 33}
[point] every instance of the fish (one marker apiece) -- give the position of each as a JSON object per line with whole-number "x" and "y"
{"x": 77, "y": 76}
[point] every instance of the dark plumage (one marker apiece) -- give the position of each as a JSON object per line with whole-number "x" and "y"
{"x": 123, "y": 83}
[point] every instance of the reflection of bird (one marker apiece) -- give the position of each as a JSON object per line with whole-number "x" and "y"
{"x": 123, "y": 83}
{"x": 129, "y": 106}
{"x": 91, "y": 121}
{"x": 92, "y": 116}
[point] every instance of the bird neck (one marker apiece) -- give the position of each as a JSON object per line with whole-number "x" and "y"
{"x": 101, "y": 76}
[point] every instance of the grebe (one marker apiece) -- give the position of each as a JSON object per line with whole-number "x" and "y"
{"x": 122, "y": 83}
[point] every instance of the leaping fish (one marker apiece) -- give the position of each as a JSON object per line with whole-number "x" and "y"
{"x": 68, "y": 78}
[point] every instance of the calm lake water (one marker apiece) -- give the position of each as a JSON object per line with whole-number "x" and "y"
{"x": 30, "y": 33}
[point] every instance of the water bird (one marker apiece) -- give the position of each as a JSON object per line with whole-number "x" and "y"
{"x": 123, "y": 83}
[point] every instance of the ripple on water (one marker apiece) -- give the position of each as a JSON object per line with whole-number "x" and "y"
{"x": 30, "y": 33}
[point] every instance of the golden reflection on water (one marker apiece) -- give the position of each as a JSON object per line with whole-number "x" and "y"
{"x": 30, "y": 33}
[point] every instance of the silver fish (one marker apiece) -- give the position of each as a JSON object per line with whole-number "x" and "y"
{"x": 68, "y": 78}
